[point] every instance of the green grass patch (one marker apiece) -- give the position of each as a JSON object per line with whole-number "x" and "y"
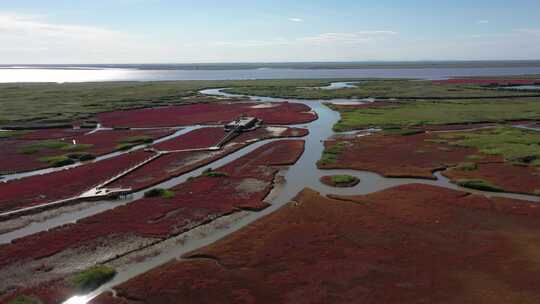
{"x": 92, "y": 278}
{"x": 66, "y": 159}
{"x": 437, "y": 141}
{"x": 42, "y": 145}
{"x": 211, "y": 173}
{"x": 12, "y": 134}
{"x": 467, "y": 166}
{"x": 343, "y": 179}
{"x": 141, "y": 139}
{"x": 330, "y": 155}
{"x": 402, "y": 131}
{"x": 124, "y": 147}
{"x": 515, "y": 145}
{"x": 25, "y": 300}
{"x": 81, "y": 156}
{"x": 57, "y": 161}
{"x": 377, "y": 88}
{"x": 159, "y": 192}
{"x": 133, "y": 141}
{"x": 52, "y": 145}
{"x": 478, "y": 184}
{"x": 474, "y": 157}
{"x": 77, "y": 147}
{"x": 407, "y": 114}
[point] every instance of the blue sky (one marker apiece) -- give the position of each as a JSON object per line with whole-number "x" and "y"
{"x": 120, "y": 31}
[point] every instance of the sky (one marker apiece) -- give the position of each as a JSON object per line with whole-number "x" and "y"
{"x": 182, "y": 31}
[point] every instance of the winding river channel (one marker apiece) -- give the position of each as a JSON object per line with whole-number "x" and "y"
{"x": 297, "y": 177}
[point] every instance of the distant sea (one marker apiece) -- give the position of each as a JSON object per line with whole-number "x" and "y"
{"x": 241, "y": 71}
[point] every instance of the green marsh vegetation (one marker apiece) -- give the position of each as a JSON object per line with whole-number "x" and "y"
{"x": 53, "y": 145}
{"x": 211, "y": 173}
{"x": 344, "y": 179}
{"x": 402, "y": 131}
{"x": 515, "y": 145}
{"x": 330, "y": 155}
{"x": 467, "y": 166}
{"x": 91, "y": 278}
{"x": 66, "y": 159}
{"x": 132, "y": 141}
{"x": 159, "y": 192}
{"x": 70, "y": 153}
{"x": 418, "y": 113}
{"x": 11, "y": 134}
{"x": 377, "y": 88}
{"x": 58, "y": 160}
{"x": 478, "y": 184}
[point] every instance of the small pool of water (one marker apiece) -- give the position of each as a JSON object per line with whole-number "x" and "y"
{"x": 530, "y": 87}
{"x": 336, "y": 86}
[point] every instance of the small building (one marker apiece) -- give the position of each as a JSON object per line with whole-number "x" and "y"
{"x": 242, "y": 123}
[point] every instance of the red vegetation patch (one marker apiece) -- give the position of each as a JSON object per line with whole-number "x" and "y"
{"x": 409, "y": 244}
{"x": 196, "y": 139}
{"x": 511, "y": 178}
{"x": 107, "y": 141}
{"x": 396, "y": 155}
{"x": 56, "y": 291}
{"x": 13, "y": 160}
{"x": 246, "y": 182}
{"x": 175, "y": 164}
{"x": 201, "y": 113}
{"x": 43, "y": 134}
{"x": 488, "y": 81}
{"x": 63, "y": 184}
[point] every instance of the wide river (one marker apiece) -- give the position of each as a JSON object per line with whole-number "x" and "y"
{"x": 33, "y": 74}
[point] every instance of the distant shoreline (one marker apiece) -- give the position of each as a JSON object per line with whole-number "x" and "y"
{"x": 285, "y": 65}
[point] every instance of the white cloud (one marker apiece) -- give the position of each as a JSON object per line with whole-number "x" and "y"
{"x": 296, "y": 19}
{"x": 482, "y": 22}
{"x": 248, "y": 43}
{"x": 333, "y": 39}
{"x": 35, "y": 39}
{"x": 356, "y": 37}
{"x": 27, "y": 25}
{"x": 361, "y": 45}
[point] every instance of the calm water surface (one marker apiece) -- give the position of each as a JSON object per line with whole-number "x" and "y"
{"x": 535, "y": 87}
{"x": 29, "y": 74}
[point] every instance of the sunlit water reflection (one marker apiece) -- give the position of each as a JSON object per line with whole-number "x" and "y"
{"x": 32, "y": 74}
